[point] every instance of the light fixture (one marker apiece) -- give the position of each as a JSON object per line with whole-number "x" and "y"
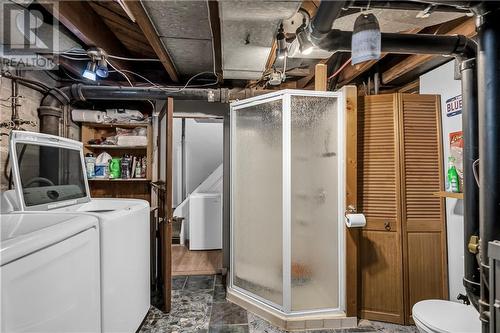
{"x": 102, "y": 68}
{"x": 281, "y": 47}
{"x": 89, "y": 72}
{"x": 366, "y": 39}
{"x": 305, "y": 45}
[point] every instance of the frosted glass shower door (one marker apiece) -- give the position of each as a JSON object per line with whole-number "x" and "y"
{"x": 257, "y": 206}
{"x": 316, "y": 153}
{"x": 287, "y": 201}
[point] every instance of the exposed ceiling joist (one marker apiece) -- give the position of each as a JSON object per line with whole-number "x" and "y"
{"x": 352, "y": 72}
{"x": 82, "y": 21}
{"x": 128, "y": 32}
{"x": 467, "y": 28}
{"x": 149, "y": 31}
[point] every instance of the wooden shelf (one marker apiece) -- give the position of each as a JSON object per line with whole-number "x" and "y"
{"x": 111, "y": 125}
{"x": 119, "y": 180}
{"x": 445, "y": 194}
{"x": 114, "y": 147}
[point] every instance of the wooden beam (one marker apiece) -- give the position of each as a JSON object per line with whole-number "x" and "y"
{"x": 351, "y": 72}
{"x": 213, "y": 11}
{"x": 467, "y": 28}
{"x": 351, "y": 168}
{"x": 320, "y": 77}
{"x": 149, "y": 31}
{"x": 86, "y": 25}
{"x": 299, "y": 72}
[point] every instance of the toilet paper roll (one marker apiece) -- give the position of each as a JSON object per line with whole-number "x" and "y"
{"x": 355, "y": 220}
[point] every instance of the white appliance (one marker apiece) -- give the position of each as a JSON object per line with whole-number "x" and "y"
{"x": 438, "y": 316}
{"x": 57, "y": 166}
{"x": 205, "y": 221}
{"x": 207, "y": 230}
{"x": 49, "y": 273}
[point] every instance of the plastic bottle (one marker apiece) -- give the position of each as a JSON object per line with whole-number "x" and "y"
{"x": 90, "y": 165}
{"x": 453, "y": 179}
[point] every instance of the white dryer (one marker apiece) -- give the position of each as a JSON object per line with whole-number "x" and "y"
{"x": 49, "y": 175}
{"x": 50, "y": 273}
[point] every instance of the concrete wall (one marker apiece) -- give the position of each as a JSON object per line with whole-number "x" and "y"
{"x": 441, "y": 81}
{"x": 27, "y": 111}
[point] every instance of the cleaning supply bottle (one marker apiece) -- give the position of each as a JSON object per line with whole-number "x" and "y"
{"x": 453, "y": 179}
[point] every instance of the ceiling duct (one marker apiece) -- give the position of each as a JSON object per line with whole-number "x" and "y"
{"x": 248, "y": 29}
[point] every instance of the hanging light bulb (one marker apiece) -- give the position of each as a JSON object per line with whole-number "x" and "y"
{"x": 366, "y": 39}
{"x": 89, "y": 72}
{"x": 281, "y": 48}
{"x": 102, "y": 68}
{"x": 305, "y": 45}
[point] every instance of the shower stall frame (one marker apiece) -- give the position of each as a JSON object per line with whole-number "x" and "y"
{"x": 242, "y": 296}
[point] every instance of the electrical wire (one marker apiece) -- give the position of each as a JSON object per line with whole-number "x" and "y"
{"x": 86, "y": 58}
{"x": 133, "y": 59}
{"x": 340, "y": 69}
{"x": 119, "y": 71}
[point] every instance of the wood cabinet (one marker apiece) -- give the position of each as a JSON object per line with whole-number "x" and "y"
{"x": 402, "y": 249}
{"x": 133, "y": 188}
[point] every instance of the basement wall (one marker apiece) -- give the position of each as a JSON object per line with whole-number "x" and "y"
{"x": 27, "y": 111}
{"x": 441, "y": 81}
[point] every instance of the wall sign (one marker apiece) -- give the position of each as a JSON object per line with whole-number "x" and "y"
{"x": 454, "y": 106}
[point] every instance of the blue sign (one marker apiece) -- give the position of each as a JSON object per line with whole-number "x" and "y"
{"x": 454, "y": 106}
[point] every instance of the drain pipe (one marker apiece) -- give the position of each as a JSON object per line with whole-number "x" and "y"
{"x": 489, "y": 138}
{"x": 321, "y": 35}
{"x": 50, "y": 110}
{"x": 471, "y": 280}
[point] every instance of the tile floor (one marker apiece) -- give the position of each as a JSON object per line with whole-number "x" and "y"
{"x": 199, "y": 305}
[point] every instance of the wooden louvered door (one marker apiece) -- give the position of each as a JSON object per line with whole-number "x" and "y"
{"x": 423, "y": 222}
{"x": 380, "y": 251}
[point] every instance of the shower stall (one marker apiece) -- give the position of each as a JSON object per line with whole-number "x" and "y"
{"x": 287, "y": 204}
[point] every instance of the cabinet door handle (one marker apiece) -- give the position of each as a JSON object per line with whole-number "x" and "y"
{"x": 387, "y": 225}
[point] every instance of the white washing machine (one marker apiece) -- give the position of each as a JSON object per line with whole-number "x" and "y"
{"x": 49, "y": 175}
{"x": 50, "y": 273}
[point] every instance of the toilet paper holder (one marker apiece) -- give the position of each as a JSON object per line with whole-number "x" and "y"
{"x": 351, "y": 221}
{"x": 350, "y": 210}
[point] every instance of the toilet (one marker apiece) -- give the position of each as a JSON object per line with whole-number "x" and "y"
{"x": 439, "y": 316}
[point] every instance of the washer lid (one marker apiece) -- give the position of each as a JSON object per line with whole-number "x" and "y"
{"x": 447, "y": 317}
{"x": 26, "y": 233}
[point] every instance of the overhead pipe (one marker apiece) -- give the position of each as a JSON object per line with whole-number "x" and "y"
{"x": 50, "y": 110}
{"x": 489, "y": 138}
{"x": 454, "y": 7}
{"x": 457, "y": 45}
{"x": 464, "y": 49}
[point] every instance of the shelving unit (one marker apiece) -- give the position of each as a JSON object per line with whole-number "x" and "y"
{"x": 138, "y": 188}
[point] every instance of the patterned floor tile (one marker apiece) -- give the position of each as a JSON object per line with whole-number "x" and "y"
{"x": 199, "y": 282}
{"x": 229, "y": 329}
{"x": 199, "y": 306}
{"x": 178, "y": 282}
{"x": 226, "y": 313}
{"x": 219, "y": 293}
